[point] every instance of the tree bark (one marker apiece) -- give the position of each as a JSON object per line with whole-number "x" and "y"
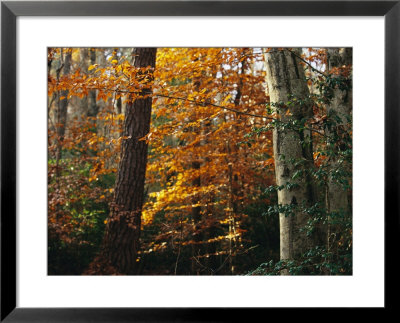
{"x": 121, "y": 241}
{"x": 340, "y": 106}
{"x": 92, "y": 108}
{"x": 196, "y": 200}
{"x": 83, "y": 102}
{"x": 62, "y": 107}
{"x": 292, "y": 147}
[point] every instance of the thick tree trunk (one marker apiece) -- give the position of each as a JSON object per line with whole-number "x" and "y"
{"x": 292, "y": 148}
{"x": 121, "y": 241}
{"x": 340, "y": 106}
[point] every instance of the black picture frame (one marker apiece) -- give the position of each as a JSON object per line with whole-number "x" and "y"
{"x": 10, "y": 10}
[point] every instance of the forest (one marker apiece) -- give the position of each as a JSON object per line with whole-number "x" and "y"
{"x": 199, "y": 161}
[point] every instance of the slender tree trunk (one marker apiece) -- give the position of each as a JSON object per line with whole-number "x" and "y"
{"x": 196, "y": 200}
{"x": 340, "y": 109}
{"x": 83, "y": 102}
{"x": 292, "y": 148}
{"x": 62, "y": 108}
{"x": 232, "y": 152}
{"x": 196, "y": 214}
{"x": 121, "y": 241}
{"x": 50, "y": 102}
{"x": 92, "y": 108}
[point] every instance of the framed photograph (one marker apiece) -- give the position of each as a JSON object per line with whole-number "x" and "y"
{"x": 190, "y": 160}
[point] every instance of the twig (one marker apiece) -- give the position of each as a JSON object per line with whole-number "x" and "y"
{"x": 304, "y": 61}
{"x": 179, "y": 247}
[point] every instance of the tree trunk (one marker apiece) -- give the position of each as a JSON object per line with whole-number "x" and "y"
{"x": 83, "y": 65}
{"x": 92, "y": 108}
{"x": 121, "y": 241}
{"x": 340, "y": 106}
{"x": 292, "y": 148}
{"x": 196, "y": 200}
{"x": 62, "y": 107}
{"x": 196, "y": 214}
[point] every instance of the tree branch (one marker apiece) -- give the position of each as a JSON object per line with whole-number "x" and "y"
{"x": 304, "y": 61}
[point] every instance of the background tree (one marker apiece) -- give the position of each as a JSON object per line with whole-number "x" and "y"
{"x": 218, "y": 144}
{"x": 61, "y": 112}
{"x": 339, "y": 110}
